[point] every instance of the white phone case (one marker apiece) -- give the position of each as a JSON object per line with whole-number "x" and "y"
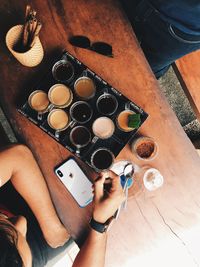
{"x": 75, "y": 181}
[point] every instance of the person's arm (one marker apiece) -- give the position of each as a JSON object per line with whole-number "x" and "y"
{"x": 92, "y": 253}
{"x": 18, "y": 165}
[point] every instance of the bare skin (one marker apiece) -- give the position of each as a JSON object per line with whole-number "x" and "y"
{"x": 18, "y": 165}
{"x": 92, "y": 254}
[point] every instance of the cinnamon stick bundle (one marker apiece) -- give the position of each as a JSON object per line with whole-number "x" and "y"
{"x": 31, "y": 28}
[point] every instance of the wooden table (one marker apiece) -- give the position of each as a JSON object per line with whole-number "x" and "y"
{"x": 159, "y": 228}
{"x": 188, "y": 73}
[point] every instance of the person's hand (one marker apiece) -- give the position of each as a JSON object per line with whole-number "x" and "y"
{"x": 107, "y": 202}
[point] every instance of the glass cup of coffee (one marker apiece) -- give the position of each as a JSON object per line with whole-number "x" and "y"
{"x": 81, "y": 112}
{"x": 107, "y": 104}
{"x": 60, "y": 96}
{"x": 102, "y": 159}
{"x": 58, "y": 120}
{"x": 123, "y": 119}
{"x": 85, "y": 87}
{"x": 144, "y": 148}
{"x": 63, "y": 71}
{"x": 80, "y": 137}
{"x": 38, "y": 101}
{"x": 103, "y": 127}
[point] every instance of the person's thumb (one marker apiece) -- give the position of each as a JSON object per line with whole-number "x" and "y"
{"x": 99, "y": 188}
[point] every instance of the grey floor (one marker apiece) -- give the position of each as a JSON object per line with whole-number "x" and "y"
{"x": 7, "y": 127}
{"x": 178, "y": 101}
{"x": 171, "y": 87}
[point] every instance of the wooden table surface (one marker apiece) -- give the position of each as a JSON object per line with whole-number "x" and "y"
{"x": 160, "y": 228}
{"x": 188, "y": 72}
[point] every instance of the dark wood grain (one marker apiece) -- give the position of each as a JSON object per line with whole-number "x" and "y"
{"x": 153, "y": 220}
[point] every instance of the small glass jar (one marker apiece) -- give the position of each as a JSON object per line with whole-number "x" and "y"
{"x": 152, "y": 178}
{"x": 144, "y": 148}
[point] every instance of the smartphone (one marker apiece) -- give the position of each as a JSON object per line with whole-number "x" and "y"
{"x": 75, "y": 180}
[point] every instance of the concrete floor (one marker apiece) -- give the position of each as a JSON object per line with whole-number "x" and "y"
{"x": 176, "y": 97}
{"x": 7, "y": 127}
{"x": 178, "y": 101}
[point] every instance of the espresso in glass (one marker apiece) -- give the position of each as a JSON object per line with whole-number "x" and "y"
{"x": 38, "y": 100}
{"x": 102, "y": 159}
{"x": 81, "y": 112}
{"x": 85, "y": 87}
{"x": 63, "y": 71}
{"x": 107, "y": 104}
{"x": 80, "y": 136}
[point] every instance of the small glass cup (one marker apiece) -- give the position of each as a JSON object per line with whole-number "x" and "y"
{"x": 107, "y": 104}
{"x": 145, "y": 148}
{"x": 58, "y": 120}
{"x": 152, "y": 178}
{"x": 102, "y": 159}
{"x": 38, "y": 101}
{"x": 103, "y": 127}
{"x": 81, "y": 112}
{"x": 85, "y": 88}
{"x": 63, "y": 71}
{"x": 80, "y": 137}
{"x": 60, "y": 96}
{"x": 122, "y": 120}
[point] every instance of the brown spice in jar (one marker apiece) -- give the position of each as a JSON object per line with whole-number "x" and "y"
{"x": 145, "y": 149}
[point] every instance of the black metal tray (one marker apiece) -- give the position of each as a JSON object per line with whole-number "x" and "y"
{"x": 116, "y": 142}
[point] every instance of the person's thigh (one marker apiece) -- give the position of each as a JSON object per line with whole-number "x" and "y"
{"x": 161, "y": 42}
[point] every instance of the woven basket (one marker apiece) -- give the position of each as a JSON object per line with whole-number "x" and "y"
{"x": 30, "y": 58}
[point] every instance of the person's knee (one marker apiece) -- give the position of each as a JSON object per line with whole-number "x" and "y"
{"x": 21, "y": 151}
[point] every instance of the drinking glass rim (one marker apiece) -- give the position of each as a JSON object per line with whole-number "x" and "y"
{"x": 104, "y": 117}
{"x": 104, "y": 96}
{"x": 65, "y": 62}
{"x": 154, "y": 153}
{"x": 157, "y": 174}
{"x": 98, "y": 149}
{"x": 53, "y": 111}
{"x": 86, "y": 78}
{"x": 133, "y": 112}
{"x": 71, "y": 139}
{"x": 74, "y": 105}
{"x": 32, "y": 94}
{"x": 69, "y": 90}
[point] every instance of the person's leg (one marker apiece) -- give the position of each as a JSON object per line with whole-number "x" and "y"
{"x": 161, "y": 42}
{"x": 18, "y": 164}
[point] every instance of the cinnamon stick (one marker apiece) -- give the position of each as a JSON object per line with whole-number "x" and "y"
{"x": 38, "y": 28}
{"x": 31, "y": 28}
{"x": 25, "y": 35}
{"x": 34, "y": 25}
{"x": 36, "y": 33}
{"x": 27, "y": 13}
